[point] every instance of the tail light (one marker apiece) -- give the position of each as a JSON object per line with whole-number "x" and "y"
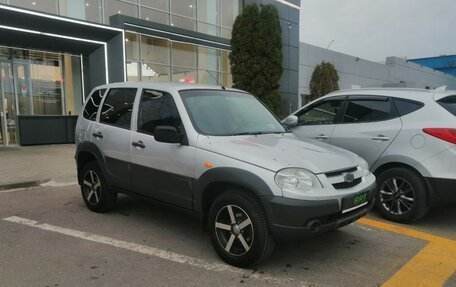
{"x": 445, "y": 134}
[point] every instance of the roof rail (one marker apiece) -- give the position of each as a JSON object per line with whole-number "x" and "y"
{"x": 440, "y": 89}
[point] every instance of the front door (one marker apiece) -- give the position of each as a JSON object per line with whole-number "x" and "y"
{"x": 318, "y": 120}
{"x": 8, "y": 120}
{"x": 160, "y": 170}
{"x": 370, "y": 124}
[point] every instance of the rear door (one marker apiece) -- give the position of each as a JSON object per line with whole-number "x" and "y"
{"x": 161, "y": 170}
{"x": 368, "y": 126}
{"x": 318, "y": 120}
{"x": 112, "y": 134}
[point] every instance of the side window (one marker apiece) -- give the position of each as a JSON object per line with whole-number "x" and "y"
{"x": 93, "y": 102}
{"x": 320, "y": 114}
{"x": 405, "y": 107}
{"x": 369, "y": 111}
{"x": 117, "y": 108}
{"x": 157, "y": 109}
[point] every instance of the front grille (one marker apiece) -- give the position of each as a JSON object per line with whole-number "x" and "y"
{"x": 343, "y": 185}
{"x": 340, "y": 172}
{"x": 338, "y": 181}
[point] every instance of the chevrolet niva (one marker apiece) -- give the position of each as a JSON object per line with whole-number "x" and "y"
{"x": 221, "y": 154}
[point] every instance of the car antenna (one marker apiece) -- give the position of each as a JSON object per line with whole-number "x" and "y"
{"x": 220, "y": 84}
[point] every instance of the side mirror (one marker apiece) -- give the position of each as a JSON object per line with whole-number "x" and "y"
{"x": 290, "y": 121}
{"x": 166, "y": 134}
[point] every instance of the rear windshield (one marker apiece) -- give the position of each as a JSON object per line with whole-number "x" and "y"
{"x": 449, "y": 103}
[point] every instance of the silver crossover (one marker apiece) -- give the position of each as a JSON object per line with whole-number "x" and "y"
{"x": 221, "y": 154}
{"x": 407, "y": 136}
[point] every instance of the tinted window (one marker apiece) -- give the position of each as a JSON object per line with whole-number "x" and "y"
{"x": 321, "y": 114}
{"x": 449, "y": 103}
{"x": 91, "y": 108}
{"x": 368, "y": 111}
{"x": 117, "y": 108}
{"x": 405, "y": 107}
{"x": 157, "y": 109}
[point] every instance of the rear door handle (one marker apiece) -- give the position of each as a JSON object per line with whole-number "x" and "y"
{"x": 139, "y": 144}
{"x": 322, "y": 137}
{"x": 98, "y": 135}
{"x": 381, "y": 138}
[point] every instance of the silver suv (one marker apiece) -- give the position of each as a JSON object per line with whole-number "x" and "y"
{"x": 221, "y": 154}
{"x": 407, "y": 136}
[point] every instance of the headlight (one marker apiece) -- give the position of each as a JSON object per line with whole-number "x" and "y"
{"x": 364, "y": 166}
{"x": 296, "y": 179}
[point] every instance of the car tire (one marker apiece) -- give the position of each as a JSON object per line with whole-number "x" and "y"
{"x": 401, "y": 195}
{"x": 94, "y": 189}
{"x": 248, "y": 240}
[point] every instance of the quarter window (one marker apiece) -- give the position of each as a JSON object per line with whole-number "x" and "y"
{"x": 405, "y": 107}
{"x": 157, "y": 109}
{"x": 322, "y": 114}
{"x": 91, "y": 108}
{"x": 117, "y": 108}
{"x": 368, "y": 111}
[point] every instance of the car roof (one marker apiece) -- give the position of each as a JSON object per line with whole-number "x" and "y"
{"x": 165, "y": 86}
{"x": 405, "y": 93}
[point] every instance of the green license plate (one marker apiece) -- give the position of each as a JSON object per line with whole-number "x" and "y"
{"x": 354, "y": 202}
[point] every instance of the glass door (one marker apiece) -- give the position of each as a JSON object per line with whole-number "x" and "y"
{"x": 8, "y": 133}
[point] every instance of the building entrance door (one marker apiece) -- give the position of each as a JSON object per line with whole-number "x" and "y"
{"x": 8, "y": 112}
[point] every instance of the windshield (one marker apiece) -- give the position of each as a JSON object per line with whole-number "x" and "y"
{"x": 228, "y": 113}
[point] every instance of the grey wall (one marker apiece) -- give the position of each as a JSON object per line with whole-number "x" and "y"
{"x": 289, "y": 20}
{"x": 356, "y": 72}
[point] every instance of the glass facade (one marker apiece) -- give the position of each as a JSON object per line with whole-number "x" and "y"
{"x": 213, "y": 17}
{"x": 152, "y": 59}
{"x": 37, "y": 83}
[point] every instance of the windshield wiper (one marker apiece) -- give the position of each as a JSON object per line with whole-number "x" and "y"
{"x": 259, "y": 133}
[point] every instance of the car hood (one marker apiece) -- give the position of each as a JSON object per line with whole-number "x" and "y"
{"x": 278, "y": 151}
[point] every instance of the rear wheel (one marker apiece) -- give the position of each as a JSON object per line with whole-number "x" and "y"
{"x": 401, "y": 195}
{"x": 238, "y": 229}
{"x": 94, "y": 190}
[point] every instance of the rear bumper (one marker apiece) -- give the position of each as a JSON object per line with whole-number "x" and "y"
{"x": 292, "y": 219}
{"x": 442, "y": 190}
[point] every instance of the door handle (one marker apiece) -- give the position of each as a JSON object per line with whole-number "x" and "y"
{"x": 322, "y": 137}
{"x": 139, "y": 144}
{"x": 381, "y": 138}
{"x": 98, "y": 135}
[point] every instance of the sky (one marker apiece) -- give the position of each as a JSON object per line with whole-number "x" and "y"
{"x": 376, "y": 29}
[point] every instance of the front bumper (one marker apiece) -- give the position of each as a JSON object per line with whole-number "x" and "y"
{"x": 292, "y": 219}
{"x": 442, "y": 190}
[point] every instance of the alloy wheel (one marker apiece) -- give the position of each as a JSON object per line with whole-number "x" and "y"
{"x": 397, "y": 195}
{"x": 234, "y": 230}
{"x": 92, "y": 187}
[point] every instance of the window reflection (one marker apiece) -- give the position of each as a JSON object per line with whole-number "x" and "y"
{"x": 155, "y": 73}
{"x": 49, "y": 6}
{"x": 184, "y": 7}
{"x": 184, "y": 54}
{"x": 113, "y": 7}
{"x": 154, "y": 50}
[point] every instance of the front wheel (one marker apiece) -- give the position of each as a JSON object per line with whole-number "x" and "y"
{"x": 94, "y": 190}
{"x": 401, "y": 195}
{"x": 238, "y": 229}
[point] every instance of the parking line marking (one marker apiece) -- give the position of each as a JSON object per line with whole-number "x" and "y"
{"x": 147, "y": 250}
{"x": 432, "y": 266}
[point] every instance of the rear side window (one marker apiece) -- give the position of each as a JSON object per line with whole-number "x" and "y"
{"x": 405, "y": 107}
{"x": 320, "y": 114}
{"x": 91, "y": 108}
{"x": 157, "y": 109}
{"x": 117, "y": 108}
{"x": 449, "y": 103}
{"x": 368, "y": 111}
